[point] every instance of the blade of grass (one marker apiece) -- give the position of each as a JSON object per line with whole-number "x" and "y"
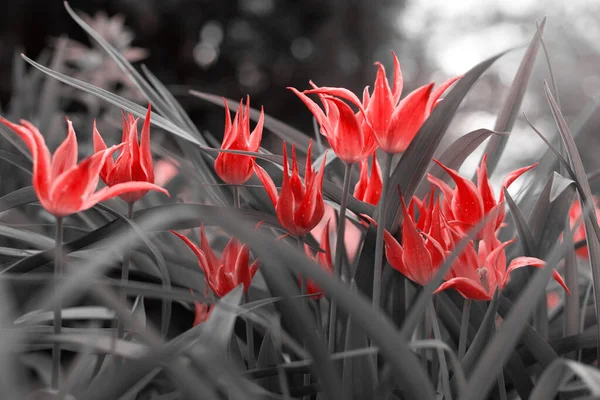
{"x": 510, "y": 108}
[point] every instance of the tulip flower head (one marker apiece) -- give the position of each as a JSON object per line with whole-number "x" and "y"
{"x": 347, "y": 132}
{"x": 477, "y": 274}
{"x": 368, "y": 188}
{"x": 299, "y": 206}
{"x": 394, "y": 122}
{"x": 575, "y": 216}
{"x": 468, "y": 203}
{"x": 134, "y": 163}
{"x": 62, "y": 186}
{"x": 324, "y": 259}
{"x": 236, "y": 169}
{"x": 422, "y": 252}
{"x": 225, "y": 274}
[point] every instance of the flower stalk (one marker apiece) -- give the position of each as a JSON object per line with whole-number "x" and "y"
{"x": 125, "y": 276}
{"x": 378, "y": 268}
{"x": 58, "y": 272}
{"x": 339, "y": 250}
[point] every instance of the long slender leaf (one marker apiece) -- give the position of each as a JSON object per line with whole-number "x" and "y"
{"x": 592, "y": 229}
{"x": 549, "y": 383}
{"x": 510, "y": 109}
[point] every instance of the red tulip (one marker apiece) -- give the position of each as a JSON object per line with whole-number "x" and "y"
{"x": 368, "y": 188}
{"x": 134, "y": 163}
{"x": 347, "y": 133}
{"x": 324, "y": 259}
{"x": 299, "y": 206}
{"x": 236, "y": 169}
{"x": 62, "y": 186}
{"x": 477, "y": 274}
{"x": 394, "y": 122}
{"x": 575, "y": 216}
{"x": 421, "y": 253}
{"x": 467, "y": 204}
{"x": 231, "y": 270}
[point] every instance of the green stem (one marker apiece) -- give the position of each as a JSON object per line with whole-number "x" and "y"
{"x": 339, "y": 249}
{"x": 236, "y": 197}
{"x": 125, "y": 276}
{"x": 304, "y": 291}
{"x": 58, "y": 272}
{"x": 501, "y": 381}
{"x": 437, "y": 334}
{"x": 387, "y": 165}
{"x": 464, "y": 328}
{"x": 250, "y": 337}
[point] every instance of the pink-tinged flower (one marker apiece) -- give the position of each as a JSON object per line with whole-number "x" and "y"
{"x": 394, "y": 122}
{"x": 62, "y": 186}
{"x": 236, "y": 169}
{"x": 422, "y": 252}
{"x": 477, "y": 274}
{"x": 134, "y": 163}
{"x": 324, "y": 259}
{"x": 576, "y": 217}
{"x": 225, "y": 274}
{"x": 468, "y": 203}
{"x": 368, "y": 188}
{"x": 299, "y": 206}
{"x": 348, "y": 133}
{"x": 201, "y": 312}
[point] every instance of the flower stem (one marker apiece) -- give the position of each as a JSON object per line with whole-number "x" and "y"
{"x": 236, "y": 197}
{"x": 125, "y": 276}
{"x": 58, "y": 271}
{"x": 339, "y": 249}
{"x": 464, "y": 328}
{"x": 304, "y": 291}
{"x": 249, "y": 337}
{"x": 387, "y": 165}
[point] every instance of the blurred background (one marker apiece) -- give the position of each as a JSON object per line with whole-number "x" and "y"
{"x": 259, "y": 47}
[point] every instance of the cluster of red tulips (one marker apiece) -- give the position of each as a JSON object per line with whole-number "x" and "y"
{"x": 355, "y": 129}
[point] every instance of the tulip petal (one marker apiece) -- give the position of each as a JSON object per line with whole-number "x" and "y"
{"x": 467, "y": 205}
{"x": 434, "y": 99}
{"x": 406, "y": 121}
{"x": 483, "y": 184}
{"x": 118, "y": 190}
{"x": 256, "y": 135}
{"x": 398, "y": 81}
{"x": 315, "y": 110}
{"x": 202, "y": 261}
{"x": 65, "y": 156}
{"x": 99, "y": 145}
{"x": 241, "y": 270}
{"x": 347, "y": 138}
{"x": 40, "y": 154}
{"x": 510, "y": 178}
{"x": 468, "y": 288}
{"x": 145, "y": 151}
{"x": 381, "y": 106}
{"x": 416, "y": 257}
{"x": 311, "y": 209}
{"x": 267, "y": 182}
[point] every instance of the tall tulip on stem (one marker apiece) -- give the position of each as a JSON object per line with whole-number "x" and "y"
{"x": 236, "y": 169}
{"x": 352, "y": 141}
{"x": 393, "y": 123}
{"x": 133, "y": 164}
{"x": 64, "y": 187}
